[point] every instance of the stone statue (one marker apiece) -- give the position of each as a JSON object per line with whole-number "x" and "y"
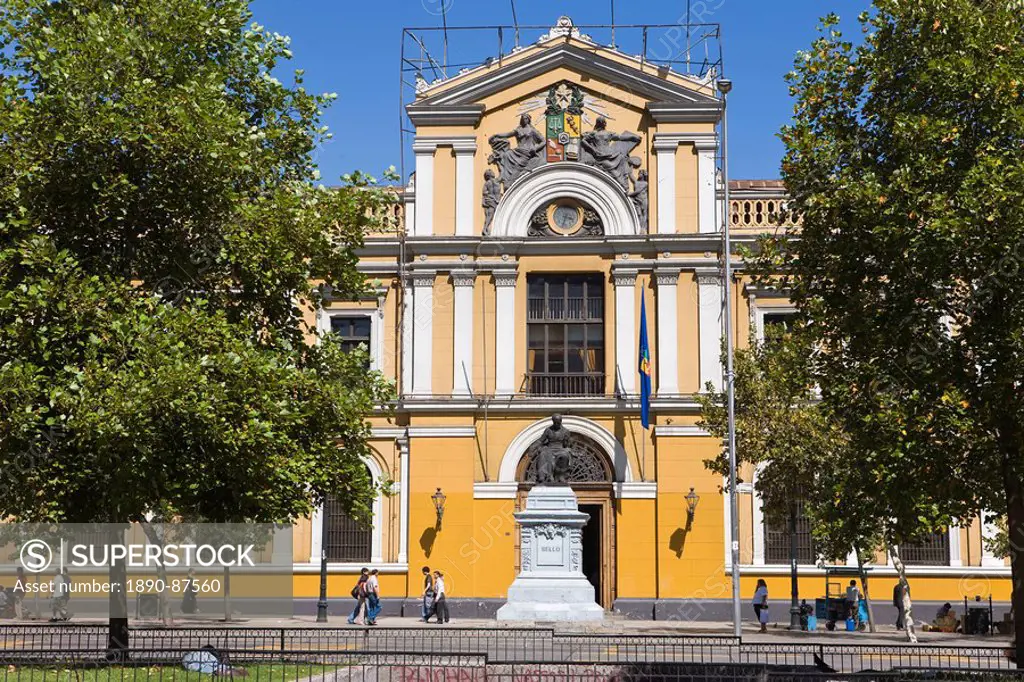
{"x": 492, "y": 194}
{"x": 554, "y": 454}
{"x": 610, "y": 151}
{"x": 639, "y": 197}
{"x": 526, "y": 155}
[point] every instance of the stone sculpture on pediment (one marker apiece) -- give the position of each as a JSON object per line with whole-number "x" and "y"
{"x": 525, "y": 156}
{"x": 610, "y": 151}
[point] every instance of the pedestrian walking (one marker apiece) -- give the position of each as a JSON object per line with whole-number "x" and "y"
{"x": 359, "y": 594}
{"x": 372, "y": 598}
{"x": 760, "y": 604}
{"x": 18, "y": 594}
{"x": 440, "y": 604}
{"x": 428, "y": 594}
{"x": 61, "y": 597}
{"x": 897, "y": 601}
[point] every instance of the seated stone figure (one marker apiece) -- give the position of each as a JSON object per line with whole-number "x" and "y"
{"x": 554, "y": 454}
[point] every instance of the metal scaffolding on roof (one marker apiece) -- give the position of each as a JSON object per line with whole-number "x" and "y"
{"x": 433, "y": 54}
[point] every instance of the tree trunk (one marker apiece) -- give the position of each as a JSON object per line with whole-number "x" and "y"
{"x": 117, "y": 625}
{"x": 227, "y": 594}
{"x": 901, "y": 570}
{"x": 164, "y": 606}
{"x": 1015, "y": 534}
{"x": 794, "y": 578}
{"x": 864, "y": 588}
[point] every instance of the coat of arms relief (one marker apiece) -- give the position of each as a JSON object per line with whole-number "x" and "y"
{"x": 566, "y": 109}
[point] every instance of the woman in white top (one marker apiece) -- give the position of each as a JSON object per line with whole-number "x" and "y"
{"x": 440, "y": 605}
{"x": 761, "y": 602}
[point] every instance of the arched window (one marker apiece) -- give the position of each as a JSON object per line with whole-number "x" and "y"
{"x": 347, "y": 539}
{"x": 588, "y": 464}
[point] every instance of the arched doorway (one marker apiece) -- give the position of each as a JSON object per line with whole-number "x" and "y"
{"x": 591, "y": 476}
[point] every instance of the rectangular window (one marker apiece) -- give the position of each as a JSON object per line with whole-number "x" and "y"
{"x": 775, "y": 325}
{"x": 347, "y": 539}
{"x": 565, "y": 334}
{"x": 930, "y": 551}
{"x": 354, "y": 331}
{"x": 777, "y": 543}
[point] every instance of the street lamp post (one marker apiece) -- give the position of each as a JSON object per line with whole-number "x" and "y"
{"x": 794, "y": 590}
{"x": 321, "y": 603}
{"x": 725, "y": 87}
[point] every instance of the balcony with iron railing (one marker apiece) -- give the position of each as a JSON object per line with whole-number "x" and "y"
{"x": 564, "y": 384}
{"x": 565, "y": 310}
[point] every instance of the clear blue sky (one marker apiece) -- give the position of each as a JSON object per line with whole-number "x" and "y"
{"x": 353, "y": 48}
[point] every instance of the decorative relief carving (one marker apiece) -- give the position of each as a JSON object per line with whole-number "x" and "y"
{"x": 550, "y": 530}
{"x": 525, "y": 550}
{"x": 624, "y": 279}
{"x": 505, "y": 278}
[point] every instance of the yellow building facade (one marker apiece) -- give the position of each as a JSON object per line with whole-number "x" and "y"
{"x": 513, "y": 290}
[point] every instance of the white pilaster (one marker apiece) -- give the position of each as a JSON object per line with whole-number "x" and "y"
{"x": 705, "y": 151}
{"x": 727, "y": 524}
{"x": 667, "y": 360}
{"x": 666, "y": 153}
{"x": 505, "y": 331}
{"x": 988, "y": 531}
{"x": 424, "y": 151}
{"x": 954, "y": 546}
{"x": 408, "y": 324}
{"x": 625, "y": 334}
{"x": 403, "y": 513}
{"x": 423, "y": 333}
{"x": 758, "y": 518}
{"x": 464, "y": 186}
{"x": 709, "y": 321}
{"x": 462, "y": 373}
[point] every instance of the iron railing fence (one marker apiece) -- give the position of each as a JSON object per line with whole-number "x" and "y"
{"x": 323, "y": 666}
{"x": 40, "y": 643}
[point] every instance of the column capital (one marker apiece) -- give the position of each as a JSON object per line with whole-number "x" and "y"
{"x": 670, "y": 141}
{"x": 461, "y": 144}
{"x": 463, "y": 278}
{"x": 422, "y": 278}
{"x": 624, "y": 278}
{"x": 708, "y": 277}
{"x": 667, "y": 276}
{"x": 505, "y": 278}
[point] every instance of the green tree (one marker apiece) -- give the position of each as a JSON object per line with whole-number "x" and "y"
{"x": 905, "y": 161}
{"x": 781, "y": 430}
{"x": 161, "y": 236}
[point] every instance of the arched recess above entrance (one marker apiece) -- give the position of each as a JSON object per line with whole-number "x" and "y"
{"x": 598, "y": 435}
{"x": 560, "y": 180}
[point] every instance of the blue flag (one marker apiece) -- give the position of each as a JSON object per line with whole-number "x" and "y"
{"x": 644, "y": 367}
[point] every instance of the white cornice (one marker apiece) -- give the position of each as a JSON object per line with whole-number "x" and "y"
{"x": 424, "y": 116}
{"x": 636, "y": 490}
{"x": 349, "y": 568}
{"x": 387, "y": 432}
{"x": 680, "y": 430}
{"x": 495, "y": 491}
{"x": 671, "y": 112}
{"x": 442, "y": 431}
{"x": 887, "y": 571}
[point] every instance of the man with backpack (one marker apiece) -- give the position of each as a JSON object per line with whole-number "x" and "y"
{"x": 359, "y": 594}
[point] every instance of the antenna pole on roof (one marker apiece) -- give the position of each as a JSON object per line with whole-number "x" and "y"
{"x": 613, "y": 23}
{"x": 444, "y": 25}
{"x": 688, "y": 19}
{"x": 515, "y": 22}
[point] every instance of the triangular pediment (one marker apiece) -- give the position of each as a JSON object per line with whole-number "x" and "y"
{"x": 665, "y": 92}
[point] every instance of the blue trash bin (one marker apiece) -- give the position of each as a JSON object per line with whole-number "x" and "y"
{"x": 851, "y": 625}
{"x": 812, "y": 623}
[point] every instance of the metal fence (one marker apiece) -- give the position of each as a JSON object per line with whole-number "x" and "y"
{"x": 520, "y": 654}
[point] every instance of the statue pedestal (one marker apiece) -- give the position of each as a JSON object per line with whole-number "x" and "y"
{"x": 551, "y": 585}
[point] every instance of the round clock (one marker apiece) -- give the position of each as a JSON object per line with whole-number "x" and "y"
{"x": 565, "y": 217}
